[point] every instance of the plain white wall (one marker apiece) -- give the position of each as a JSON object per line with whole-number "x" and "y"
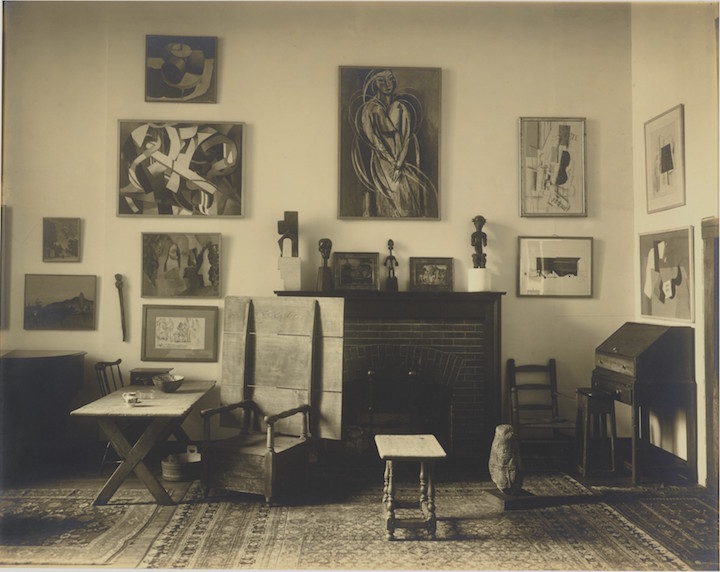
{"x": 671, "y": 68}
{"x": 72, "y": 70}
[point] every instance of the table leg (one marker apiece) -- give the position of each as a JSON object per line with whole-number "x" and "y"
{"x": 133, "y": 457}
{"x": 432, "y": 524}
{"x": 389, "y": 500}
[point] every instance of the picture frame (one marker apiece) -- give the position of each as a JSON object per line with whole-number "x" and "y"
{"x": 180, "y": 333}
{"x": 431, "y": 274}
{"x": 61, "y": 239}
{"x": 667, "y": 280}
{"x": 665, "y": 160}
{"x": 180, "y": 168}
{"x": 552, "y": 167}
{"x": 551, "y": 266}
{"x": 181, "y": 69}
{"x": 181, "y": 265}
{"x": 60, "y": 302}
{"x": 356, "y": 270}
{"x": 371, "y": 186}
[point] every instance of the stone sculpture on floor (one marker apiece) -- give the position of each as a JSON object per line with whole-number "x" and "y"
{"x": 505, "y": 464}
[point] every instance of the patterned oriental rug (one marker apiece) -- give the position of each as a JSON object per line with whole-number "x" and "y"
{"x": 575, "y": 530}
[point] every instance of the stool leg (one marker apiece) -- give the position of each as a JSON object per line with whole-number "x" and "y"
{"x": 586, "y": 441}
{"x": 613, "y": 436}
{"x": 389, "y": 500}
{"x": 432, "y": 523}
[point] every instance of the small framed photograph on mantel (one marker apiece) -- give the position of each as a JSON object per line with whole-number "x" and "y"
{"x": 431, "y": 274}
{"x": 356, "y": 270}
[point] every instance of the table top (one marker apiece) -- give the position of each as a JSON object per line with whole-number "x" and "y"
{"x": 177, "y": 404}
{"x": 409, "y": 447}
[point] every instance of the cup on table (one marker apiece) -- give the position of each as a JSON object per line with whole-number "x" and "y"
{"x": 130, "y": 398}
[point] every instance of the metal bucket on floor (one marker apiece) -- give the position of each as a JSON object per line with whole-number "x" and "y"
{"x": 182, "y": 466}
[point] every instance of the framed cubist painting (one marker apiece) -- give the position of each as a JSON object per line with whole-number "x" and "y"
{"x": 180, "y": 333}
{"x": 666, "y": 274}
{"x": 555, "y": 266}
{"x": 181, "y": 69}
{"x": 552, "y": 166}
{"x": 180, "y": 168}
{"x": 389, "y": 143}
{"x": 61, "y": 239}
{"x": 60, "y": 302}
{"x": 181, "y": 265}
{"x": 665, "y": 160}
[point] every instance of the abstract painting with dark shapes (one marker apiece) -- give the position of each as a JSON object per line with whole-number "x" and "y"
{"x": 180, "y": 168}
{"x": 181, "y": 69}
{"x": 389, "y": 143}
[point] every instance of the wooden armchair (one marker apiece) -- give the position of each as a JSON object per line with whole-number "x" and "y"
{"x": 281, "y": 386}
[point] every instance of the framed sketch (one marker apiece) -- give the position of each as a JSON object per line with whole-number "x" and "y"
{"x": 356, "y": 270}
{"x": 61, "y": 239}
{"x": 555, "y": 266}
{"x": 665, "y": 160}
{"x": 181, "y": 69}
{"x": 667, "y": 275}
{"x": 180, "y": 168}
{"x": 435, "y": 274}
{"x": 60, "y": 302}
{"x": 389, "y": 143}
{"x": 552, "y": 166}
{"x": 180, "y": 333}
{"x": 180, "y": 265}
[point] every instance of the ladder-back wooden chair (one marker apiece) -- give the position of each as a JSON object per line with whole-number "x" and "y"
{"x": 281, "y": 386}
{"x": 534, "y": 409}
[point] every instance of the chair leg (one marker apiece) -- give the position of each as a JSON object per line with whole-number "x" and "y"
{"x": 613, "y": 437}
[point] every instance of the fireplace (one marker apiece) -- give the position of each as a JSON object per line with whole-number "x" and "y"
{"x": 439, "y": 351}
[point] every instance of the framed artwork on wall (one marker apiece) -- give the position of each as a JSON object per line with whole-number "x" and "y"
{"x": 667, "y": 275}
{"x": 389, "y": 143}
{"x": 60, "y": 302}
{"x": 181, "y": 69}
{"x": 180, "y": 333}
{"x": 665, "y": 160}
{"x": 180, "y": 168}
{"x": 552, "y": 166}
{"x": 356, "y": 270}
{"x": 551, "y": 266}
{"x": 181, "y": 265}
{"x": 433, "y": 274}
{"x": 61, "y": 239}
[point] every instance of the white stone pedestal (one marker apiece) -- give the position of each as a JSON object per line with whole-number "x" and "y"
{"x": 290, "y": 272}
{"x": 479, "y": 280}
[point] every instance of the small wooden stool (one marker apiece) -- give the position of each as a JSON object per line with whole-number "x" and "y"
{"x": 594, "y": 407}
{"x": 426, "y": 450}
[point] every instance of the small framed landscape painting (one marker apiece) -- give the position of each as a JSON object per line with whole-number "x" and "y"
{"x": 356, "y": 270}
{"x": 61, "y": 239}
{"x": 666, "y": 275}
{"x": 665, "y": 160}
{"x": 435, "y": 274}
{"x": 181, "y": 69}
{"x": 555, "y": 266}
{"x": 60, "y": 302}
{"x": 181, "y": 265}
{"x": 552, "y": 166}
{"x": 180, "y": 333}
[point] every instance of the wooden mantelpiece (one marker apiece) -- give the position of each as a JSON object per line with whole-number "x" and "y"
{"x": 456, "y": 335}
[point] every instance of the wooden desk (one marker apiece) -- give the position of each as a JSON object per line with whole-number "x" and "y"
{"x": 426, "y": 450}
{"x": 165, "y": 413}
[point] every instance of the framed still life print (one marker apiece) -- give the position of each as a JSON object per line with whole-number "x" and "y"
{"x": 180, "y": 168}
{"x": 389, "y": 143}
{"x": 181, "y": 69}
{"x": 431, "y": 274}
{"x": 665, "y": 160}
{"x": 555, "y": 266}
{"x": 180, "y": 333}
{"x": 552, "y": 166}
{"x": 666, "y": 275}
{"x": 60, "y": 302}
{"x": 181, "y": 265}
{"x": 61, "y": 239}
{"x": 356, "y": 270}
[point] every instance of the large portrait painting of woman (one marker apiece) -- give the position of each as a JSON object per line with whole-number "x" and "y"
{"x": 389, "y": 143}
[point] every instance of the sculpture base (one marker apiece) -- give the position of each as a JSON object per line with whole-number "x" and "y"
{"x": 392, "y": 284}
{"x": 479, "y": 280}
{"x": 324, "y": 280}
{"x": 290, "y": 272}
{"x": 518, "y": 501}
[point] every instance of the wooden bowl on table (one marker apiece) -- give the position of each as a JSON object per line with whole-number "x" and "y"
{"x": 167, "y": 383}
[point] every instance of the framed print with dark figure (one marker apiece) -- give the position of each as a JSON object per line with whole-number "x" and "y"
{"x": 389, "y": 143}
{"x": 665, "y": 160}
{"x": 551, "y": 266}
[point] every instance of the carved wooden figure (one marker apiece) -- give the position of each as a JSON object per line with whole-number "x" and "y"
{"x": 505, "y": 464}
